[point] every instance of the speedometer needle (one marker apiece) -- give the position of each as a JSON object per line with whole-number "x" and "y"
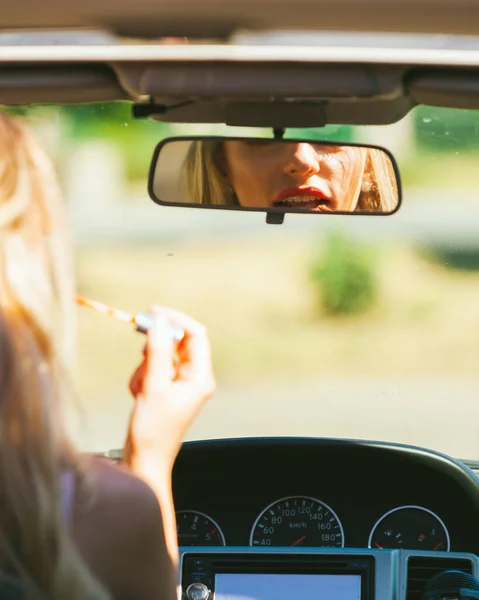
{"x": 299, "y": 541}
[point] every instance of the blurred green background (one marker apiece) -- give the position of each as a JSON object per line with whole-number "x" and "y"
{"x": 342, "y": 326}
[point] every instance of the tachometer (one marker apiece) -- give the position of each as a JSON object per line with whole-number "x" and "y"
{"x": 297, "y": 521}
{"x": 197, "y": 529}
{"x": 410, "y": 527}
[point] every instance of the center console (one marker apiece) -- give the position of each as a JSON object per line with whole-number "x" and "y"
{"x": 319, "y": 573}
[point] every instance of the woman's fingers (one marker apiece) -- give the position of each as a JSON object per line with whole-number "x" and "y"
{"x": 166, "y": 362}
{"x": 194, "y": 350}
{"x": 160, "y": 354}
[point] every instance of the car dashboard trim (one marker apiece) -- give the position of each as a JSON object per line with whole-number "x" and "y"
{"x": 390, "y": 566}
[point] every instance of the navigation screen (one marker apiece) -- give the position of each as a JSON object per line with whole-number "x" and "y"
{"x": 287, "y": 587}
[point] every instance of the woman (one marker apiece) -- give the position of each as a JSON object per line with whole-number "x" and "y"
{"x": 280, "y": 173}
{"x": 73, "y": 527}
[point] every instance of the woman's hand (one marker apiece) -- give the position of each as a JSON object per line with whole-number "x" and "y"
{"x": 170, "y": 386}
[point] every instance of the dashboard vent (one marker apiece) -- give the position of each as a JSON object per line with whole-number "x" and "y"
{"x": 420, "y": 569}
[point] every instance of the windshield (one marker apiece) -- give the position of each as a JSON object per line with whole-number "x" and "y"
{"x": 356, "y": 327}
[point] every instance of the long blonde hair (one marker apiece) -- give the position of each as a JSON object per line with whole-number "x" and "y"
{"x": 207, "y": 183}
{"x": 380, "y": 190}
{"x": 35, "y": 287}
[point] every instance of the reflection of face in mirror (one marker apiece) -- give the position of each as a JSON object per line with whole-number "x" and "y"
{"x": 279, "y": 173}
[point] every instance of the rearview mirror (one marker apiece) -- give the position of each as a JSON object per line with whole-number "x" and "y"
{"x": 275, "y": 175}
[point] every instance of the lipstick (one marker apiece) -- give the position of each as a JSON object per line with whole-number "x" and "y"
{"x": 141, "y": 321}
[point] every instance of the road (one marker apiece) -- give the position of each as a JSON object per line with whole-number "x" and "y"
{"x": 439, "y": 414}
{"x": 436, "y": 218}
{"x": 443, "y": 415}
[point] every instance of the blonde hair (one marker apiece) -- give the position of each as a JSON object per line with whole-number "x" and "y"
{"x": 207, "y": 183}
{"x": 35, "y": 285}
{"x": 205, "y": 180}
{"x": 380, "y": 192}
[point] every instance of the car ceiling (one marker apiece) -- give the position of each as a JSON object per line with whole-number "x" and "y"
{"x": 220, "y": 18}
{"x": 261, "y": 86}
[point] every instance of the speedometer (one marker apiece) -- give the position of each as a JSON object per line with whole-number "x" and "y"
{"x": 297, "y": 521}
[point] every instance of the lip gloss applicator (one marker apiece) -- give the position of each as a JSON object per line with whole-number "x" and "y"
{"x": 141, "y": 321}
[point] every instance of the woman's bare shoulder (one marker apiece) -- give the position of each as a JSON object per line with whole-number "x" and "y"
{"x": 116, "y": 498}
{"x": 119, "y": 530}
{"x": 114, "y": 479}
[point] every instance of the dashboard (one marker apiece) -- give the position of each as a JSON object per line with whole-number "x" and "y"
{"x": 324, "y": 493}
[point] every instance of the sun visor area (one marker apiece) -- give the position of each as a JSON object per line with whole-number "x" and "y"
{"x": 35, "y": 84}
{"x": 241, "y": 93}
{"x": 235, "y": 79}
{"x": 290, "y": 94}
{"x": 447, "y": 88}
{"x": 293, "y": 94}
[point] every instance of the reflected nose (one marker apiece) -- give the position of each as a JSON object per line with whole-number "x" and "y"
{"x": 302, "y": 160}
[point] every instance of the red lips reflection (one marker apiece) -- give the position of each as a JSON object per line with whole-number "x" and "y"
{"x": 303, "y": 197}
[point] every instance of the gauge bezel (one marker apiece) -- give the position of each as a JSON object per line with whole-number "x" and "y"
{"x": 206, "y": 516}
{"x": 296, "y": 497}
{"x": 416, "y": 507}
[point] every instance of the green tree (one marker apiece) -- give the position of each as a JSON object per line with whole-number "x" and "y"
{"x": 344, "y": 277}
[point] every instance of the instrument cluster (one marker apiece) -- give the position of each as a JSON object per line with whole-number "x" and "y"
{"x": 314, "y": 493}
{"x": 309, "y": 522}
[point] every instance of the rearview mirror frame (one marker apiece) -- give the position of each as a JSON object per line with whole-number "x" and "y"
{"x": 273, "y": 214}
